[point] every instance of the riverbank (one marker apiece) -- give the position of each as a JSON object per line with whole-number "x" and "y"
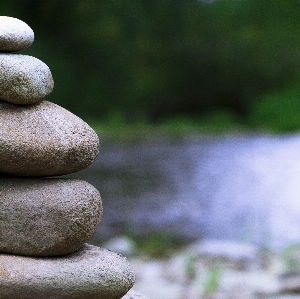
{"x": 214, "y": 269}
{"x": 117, "y": 129}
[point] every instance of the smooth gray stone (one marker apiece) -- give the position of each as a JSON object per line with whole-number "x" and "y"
{"x": 15, "y": 35}
{"x": 44, "y": 139}
{"x": 91, "y": 273}
{"x": 47, "y": 217}
{"x": 24, "y": 79}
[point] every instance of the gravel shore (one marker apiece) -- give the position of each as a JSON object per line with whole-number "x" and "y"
{"x": 215, "y": 269}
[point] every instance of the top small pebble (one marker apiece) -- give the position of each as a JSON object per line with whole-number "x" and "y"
{"x": 15, "y": 35}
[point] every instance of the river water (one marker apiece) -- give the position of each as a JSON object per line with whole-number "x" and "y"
{"x": 236, "y": 187}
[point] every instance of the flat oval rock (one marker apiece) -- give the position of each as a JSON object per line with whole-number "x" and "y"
{"x": 15, "y": 35}
{"x": 24, "y": 79}
{"x": 90, "y": 273}
{"x": 47, "y": 217}
{"x": 44, "y": 139}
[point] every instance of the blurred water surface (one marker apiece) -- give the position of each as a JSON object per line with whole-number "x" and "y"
{"x": 244, "y": 187}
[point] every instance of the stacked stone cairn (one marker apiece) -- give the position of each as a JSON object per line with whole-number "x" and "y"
{"x": 45, "y": 222}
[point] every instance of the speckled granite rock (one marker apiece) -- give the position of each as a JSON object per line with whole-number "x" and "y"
{"x": 44, "y": 220}
{"x": 15, "y": 35}
{"x": 44, "y": 139}
{"x": 90, "y": 273}
{"x": 47, "y": 217}
{"x": 24, "y": 79}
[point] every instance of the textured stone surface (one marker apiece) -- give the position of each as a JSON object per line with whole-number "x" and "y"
{"x": 91, "y": 273}
{"x": 15, "y": 35}
{"x": 44, "y": 139}
{"x": 24, "y": 79}
{"x": 47, "y": 217}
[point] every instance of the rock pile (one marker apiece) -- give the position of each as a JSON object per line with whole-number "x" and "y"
{"x": 45, "y": 222}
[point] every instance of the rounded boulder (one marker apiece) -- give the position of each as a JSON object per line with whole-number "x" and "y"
{"x": 24, "y": 79}
{"x": 15, "y": 35}
{"x": 44, "y": 139}
{"x": 47, "y": 217}
{"x": 90, "y": 273}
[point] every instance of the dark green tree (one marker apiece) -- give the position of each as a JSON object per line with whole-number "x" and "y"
{"x": 152, "y": 59}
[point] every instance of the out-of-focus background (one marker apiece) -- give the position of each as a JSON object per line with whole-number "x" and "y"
{"x": 197, "y": 107}
{"x": 155, "y": 60}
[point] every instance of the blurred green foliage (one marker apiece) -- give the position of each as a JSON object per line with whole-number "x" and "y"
{"x": 156, "y": 245}
{"x": 278, "y": 111}
{"x": 149, "y": 60}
